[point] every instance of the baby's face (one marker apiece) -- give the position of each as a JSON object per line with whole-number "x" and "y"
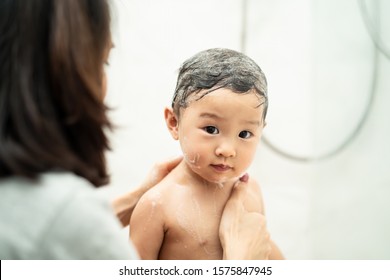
{"x": 219, "y": 134}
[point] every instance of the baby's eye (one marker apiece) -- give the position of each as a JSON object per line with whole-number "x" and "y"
{"x": 211, "y": 129}
{"x": 245, "y": 134}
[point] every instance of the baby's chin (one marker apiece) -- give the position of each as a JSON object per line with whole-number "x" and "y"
{"x": 221, "y": 181}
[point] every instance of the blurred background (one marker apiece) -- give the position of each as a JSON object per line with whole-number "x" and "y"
{"x": 323, "y": 163}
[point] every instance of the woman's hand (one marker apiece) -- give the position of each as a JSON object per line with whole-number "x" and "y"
{"x": 243, "y": 234}
{"x": 159, "y": 171}
{"x": 125, "y": 204}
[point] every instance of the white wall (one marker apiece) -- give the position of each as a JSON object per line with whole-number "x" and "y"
{"x": 318, "y": 59}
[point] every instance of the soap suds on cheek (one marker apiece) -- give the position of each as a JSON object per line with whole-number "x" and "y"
{"x": 192, "y": 160}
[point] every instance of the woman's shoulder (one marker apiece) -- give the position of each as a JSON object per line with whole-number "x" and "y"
{"x": 46, "y": 190}
{"x": 42, "y": 197}
{"x": 58, "y": 216}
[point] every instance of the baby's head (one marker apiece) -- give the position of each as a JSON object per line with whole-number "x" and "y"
{"x": 219, "y": 68}
{"x": 218, "y": 113}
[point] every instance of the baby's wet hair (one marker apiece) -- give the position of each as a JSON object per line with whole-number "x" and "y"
{"x": 217, "y": 68}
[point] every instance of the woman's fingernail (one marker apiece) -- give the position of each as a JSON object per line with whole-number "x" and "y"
{"x": 244, "y": 178}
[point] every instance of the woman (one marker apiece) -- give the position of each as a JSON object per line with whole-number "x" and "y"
{"x": 53, "y": 141}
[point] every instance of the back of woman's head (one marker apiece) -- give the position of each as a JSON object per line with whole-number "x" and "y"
{"x": 51, "y": 64}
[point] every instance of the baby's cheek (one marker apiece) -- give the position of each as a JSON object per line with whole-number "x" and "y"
{"x": 193, "y": 153}
{"x": 246, "y": 160}
{"x": 192, "y": 159}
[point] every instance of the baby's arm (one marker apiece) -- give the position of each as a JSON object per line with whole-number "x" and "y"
{"x": 147, "y": 226}
{"x": 124, "y": 205}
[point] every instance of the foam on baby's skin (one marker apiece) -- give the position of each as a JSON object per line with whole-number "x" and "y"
{"x": 152, "y": 212}
{"x": 220, "y": 184}
{"x": 155, "y": 200}
{"x": 192, "y": 161}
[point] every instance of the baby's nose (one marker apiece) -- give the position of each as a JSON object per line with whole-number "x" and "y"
{"x": 226, "y": 150}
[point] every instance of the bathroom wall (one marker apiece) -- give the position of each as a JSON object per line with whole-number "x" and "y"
{"x": 322, "y": 70}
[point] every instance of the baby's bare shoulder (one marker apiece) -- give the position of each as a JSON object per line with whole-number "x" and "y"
{"x": 161, "y": 194}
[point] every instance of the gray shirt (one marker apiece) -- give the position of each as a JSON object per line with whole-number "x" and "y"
{"x": 58, "y": 216}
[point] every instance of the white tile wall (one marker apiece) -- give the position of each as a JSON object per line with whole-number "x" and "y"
{"x": 318, "y": 60}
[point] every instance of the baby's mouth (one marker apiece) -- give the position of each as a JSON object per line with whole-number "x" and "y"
{"x": 221, "y": 167}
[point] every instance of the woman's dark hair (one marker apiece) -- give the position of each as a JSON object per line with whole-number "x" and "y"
{"x": 219, "y": 68}
{"x": 51, "y": 67}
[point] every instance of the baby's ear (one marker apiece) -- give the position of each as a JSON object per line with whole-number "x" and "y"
{"x": 172, "y": 122}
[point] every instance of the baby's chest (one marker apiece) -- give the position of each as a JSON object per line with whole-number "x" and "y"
{"x": 195, "y": 226}
{"x": 197, "y": 217}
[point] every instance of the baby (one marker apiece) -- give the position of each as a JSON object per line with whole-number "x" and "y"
{"x": 218, "y": 114}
